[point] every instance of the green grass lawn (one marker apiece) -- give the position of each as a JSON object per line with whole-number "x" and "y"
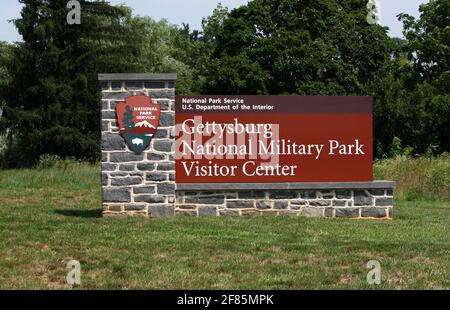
{"x": 48, "y": 217}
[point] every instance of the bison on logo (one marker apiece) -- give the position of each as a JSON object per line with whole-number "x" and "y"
{"x": 138, "y": 119}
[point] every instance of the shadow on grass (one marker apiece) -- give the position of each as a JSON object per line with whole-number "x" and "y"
{"x": 80, "y": 213}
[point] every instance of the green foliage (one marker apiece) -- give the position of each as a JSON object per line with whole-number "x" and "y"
{"x": 47, "y": 161}
{"x": 422, "y": 178}
{"x": 327, "y": 48}
{"x": 50, "y": 93}
{"x": 323, "y": 47}
{"x": 419, "y": 101}
{"x": 163, "y": 48}
{"x": 53, "y": 96}
{"x": 5, "y": 58}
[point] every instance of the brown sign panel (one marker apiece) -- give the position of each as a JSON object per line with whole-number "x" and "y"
{"x": 138, "y": 120}
{"x": 257, "y": 139}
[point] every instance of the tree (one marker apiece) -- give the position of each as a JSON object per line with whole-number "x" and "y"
{"x": 5, "y": 59}
{"x": 296, "y": 47}
{"x": 53, "y": 95}
{"x": 128, "y": 118}
{"x": 163, "y": 48}
{"x": 427, "y": 80}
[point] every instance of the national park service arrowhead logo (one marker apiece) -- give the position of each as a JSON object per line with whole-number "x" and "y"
{"x": 138, "y": 119}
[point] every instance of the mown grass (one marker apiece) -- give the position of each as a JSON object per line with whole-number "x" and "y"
{"x": 50, "y": 216}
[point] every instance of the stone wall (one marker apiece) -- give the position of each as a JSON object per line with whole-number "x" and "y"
{"x": 138, "y": 184}
{"x": 358, "y": 203}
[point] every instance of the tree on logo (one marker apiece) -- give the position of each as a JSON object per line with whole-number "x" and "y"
{"x": 128, "y": 118}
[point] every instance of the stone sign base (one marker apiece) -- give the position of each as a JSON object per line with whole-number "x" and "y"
{"x": 143, "y": 185}
{"x": 372, "y": 200}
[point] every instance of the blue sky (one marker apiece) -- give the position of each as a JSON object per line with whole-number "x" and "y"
{"x": 192, "y": 11}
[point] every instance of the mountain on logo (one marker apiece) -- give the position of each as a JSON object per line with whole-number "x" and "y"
{"x": 145, "y": 124}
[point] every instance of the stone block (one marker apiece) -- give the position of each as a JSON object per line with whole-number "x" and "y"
{"x": 163, "y": 146}
{"x": 186, "y": 207}
{"x": 312, "y": 212}
{"x": 309, "y": 195}
{"x": 146, "y": 166}
{"x": 373, "y": 212}
{"x": 144, "y": 190}
{"x": 362, "y": 198}
{"x": 116, "y": 195}
{"x": 134, "y": 85}
{"x": 165, "y": 167}
{"x": 161, "y": 134}
{"x": 207, "y": 199}
{"x": 283, "y": 195}
{"x": 154, "y": 85}
{"x": 126, "y": 181}
{"x": 156, "y": 177}
{"x": 105, "y": 125}
{"x": 127, "y": 167}
{"x": 320, "y": 203}
{"x": 112, "y": 142}
{"x": 135, "y": 207}
{"x": 377, "y": 192}
{"x": 227, "y": 212}
{"x": 104, "y": 85}
{"x": 250, "y": 213}
{"x": 327, "y": 194}
{"x": 288, "y": 213}
{"x": 329, "y": 212}
{"x": 281, "y": 205}
{"x": 164, "y": 104}
{"x": 263, "y": 205}
{"x": 105, "y": 179}
{"x": 108, "y": 115}
{"x": 207, "y": 211}
{"x": 339, "y": 203}
{"x": 124, "y": 157}
{"x": 158, "y": 211}
{"x": 116, "y": 85}
{"x": 167, "y": 119}
{"x": 252, "y": 195}
{"x": 240, "y": 204}
{"x": 344, "y": 194}
{"x": 384, "y": 202}
{"x": 109, "y": 167}
{"x": 189, "y": 213}
{"x": 162, "y": 94}
{"x": 115, "y": 208}
{"x": 347, "y": 212}
{"x": 116, "y": 95}
{"x": 166, "y": 189}
{"x": 155, "y": 157}
{"x": 149, "y": 198}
